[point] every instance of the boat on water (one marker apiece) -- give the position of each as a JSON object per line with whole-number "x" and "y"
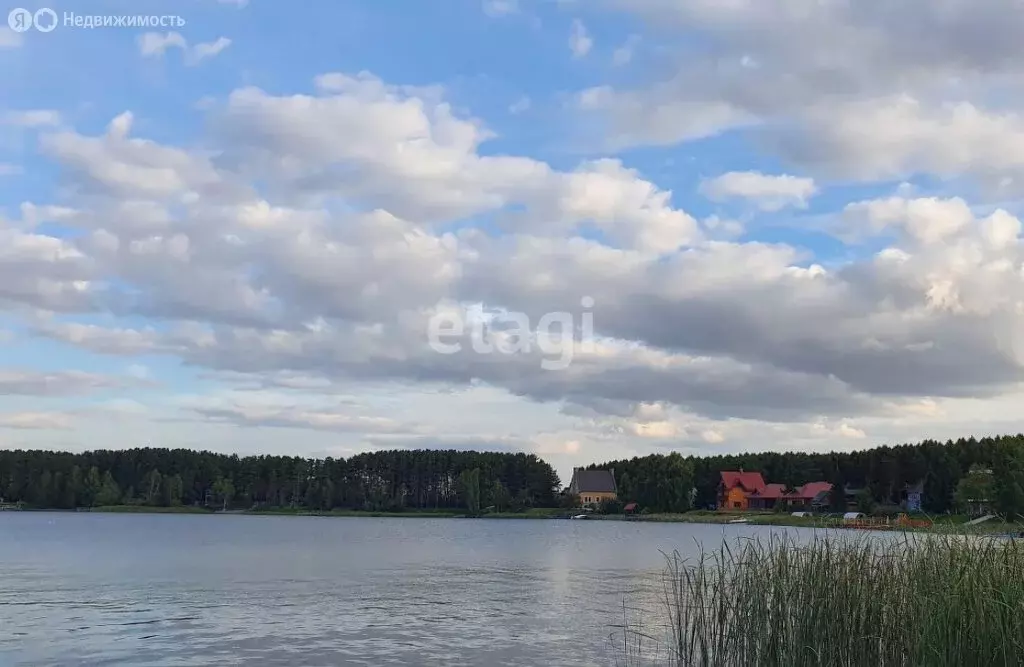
{"x": 739, "y": 521}
{"x": 580, "y": 516}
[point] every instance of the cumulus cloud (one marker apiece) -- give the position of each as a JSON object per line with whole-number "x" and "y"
{"x": 832, "y": 86}
{"x": 769, "y": 193}
{"x": 300, "y": 249}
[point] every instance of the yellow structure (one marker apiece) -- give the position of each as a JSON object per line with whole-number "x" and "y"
{"x": 736, "y": 499}
{"x": 593, "y": 486}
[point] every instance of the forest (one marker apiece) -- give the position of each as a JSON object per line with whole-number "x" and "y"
{"x": 380, "y": 481}
{"x": 953, "y": 472}
{"x": 672, "y": 483}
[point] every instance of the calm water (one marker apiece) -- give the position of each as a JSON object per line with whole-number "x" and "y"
{"x": 105, "y": 589}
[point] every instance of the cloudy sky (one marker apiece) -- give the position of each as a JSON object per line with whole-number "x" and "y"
{"x": 797, "y": 221}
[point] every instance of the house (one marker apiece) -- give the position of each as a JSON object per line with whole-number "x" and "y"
{"x": 736, "y": 487}
{"x": 813, "y": 495}
{"x": 913, "y": 494}
{"x": 767, "y": 498}
{"x": 593, "y": 486}
{"x": 852, "y": 495}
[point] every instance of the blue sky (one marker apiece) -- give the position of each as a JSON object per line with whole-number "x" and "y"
{"x": 681, "y": 162}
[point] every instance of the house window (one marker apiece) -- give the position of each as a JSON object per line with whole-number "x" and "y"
{"x": 736, "y": 505}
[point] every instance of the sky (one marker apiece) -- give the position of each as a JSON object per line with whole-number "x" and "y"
{"x": 787, "y": 225}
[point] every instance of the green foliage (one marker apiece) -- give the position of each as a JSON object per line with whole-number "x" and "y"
{"x": 865, "y": 501}
{"x": 1008, "y": 482}
{"x": 611, "y": 506}
{"x": 469, "y": 487}
{"x": 569, "y": 501}
{"x": 659, "y": 482}
{"x": 976, "y": 486}
{"x": 929, "y": 600}
{"x": 109, "y": 493}
{"x": 379, "y": 481}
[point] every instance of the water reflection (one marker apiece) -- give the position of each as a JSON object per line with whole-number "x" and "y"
{"x": 183, "y": 590}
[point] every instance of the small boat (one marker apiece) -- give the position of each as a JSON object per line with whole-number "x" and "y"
{"x": 581, "y": 516}
{"x": 738, "y": 521}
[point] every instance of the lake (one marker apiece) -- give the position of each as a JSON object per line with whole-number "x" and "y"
{"x": 147, "y": 589}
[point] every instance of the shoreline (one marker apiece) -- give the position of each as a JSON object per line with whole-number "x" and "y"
{"x": 944, "y": 524}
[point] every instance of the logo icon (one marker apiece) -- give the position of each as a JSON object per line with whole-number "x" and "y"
{"x": 20, "y": 20}
{"x": 45, "y": 19}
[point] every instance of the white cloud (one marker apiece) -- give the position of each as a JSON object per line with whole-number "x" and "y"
{"x": 35, "y": 420}
{"x": 155, "y": 45}
{"x": 580, "y": 41}
{"x": 769, "y": 193}
{"x": 520, "y": 105}
{"x": 299, "y": 248}
{"x": 624, "y": 54}
{"x": 33, "y": 118}
{"x": 498, "y": 8}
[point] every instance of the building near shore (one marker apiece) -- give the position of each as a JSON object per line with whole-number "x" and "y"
{"x": 593, "y": 486}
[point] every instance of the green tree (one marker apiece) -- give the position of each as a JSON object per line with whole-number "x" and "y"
{"x": 865, "y": 501}
{"x": 93, "y": 486}
{"x": 109, "y": 493}
{"x": 469, "y": 484}
{"x": 837, "y": 496}
{"x": 977, "y": 486}
{"x": 224, "y": 489}
{"x": 500, "y": 497}
{"x": 152, "y": 487}
{"x": 173, "y": 488}
{"x": 569, "y": 501}
{"x": 1008, "y": 482}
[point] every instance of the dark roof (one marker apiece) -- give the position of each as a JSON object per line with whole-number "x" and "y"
{"x": 749, "y": 481}
{"x": 594, "y": 481}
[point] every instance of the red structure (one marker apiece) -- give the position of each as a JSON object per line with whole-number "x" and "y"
{"x": 739, "y": 490}
{"x": 736, "y": 488}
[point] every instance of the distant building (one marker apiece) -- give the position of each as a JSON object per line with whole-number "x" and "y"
{"x": 913, "y": 495}
{"x": 768, "y": 498}
{"x": 593, "y": 486}
{"x": 736, "y": 488}
{"x": 813, "y": 495}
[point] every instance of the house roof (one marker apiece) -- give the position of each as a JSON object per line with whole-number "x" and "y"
{"x": 749, "y": 481}
{"x": 770, "y": 492}
{"x": 811, "y": 490}
{"x": 630, "y": 507}
{"x": 593, "y": 481}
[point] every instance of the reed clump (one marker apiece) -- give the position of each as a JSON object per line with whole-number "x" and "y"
{"x": 914, "y": 600}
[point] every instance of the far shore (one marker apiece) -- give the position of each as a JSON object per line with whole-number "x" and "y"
{"x": 948, "y": 523}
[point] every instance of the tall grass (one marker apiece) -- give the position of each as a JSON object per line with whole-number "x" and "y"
{"x": 918, "y": 600}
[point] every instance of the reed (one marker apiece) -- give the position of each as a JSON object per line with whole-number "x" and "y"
{"x": 848, "y": 600}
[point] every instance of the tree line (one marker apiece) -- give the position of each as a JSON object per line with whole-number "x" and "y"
{"x": 955, "y": 474}
{"x": 379, "y": 481}
{"x": 673, "y": 483}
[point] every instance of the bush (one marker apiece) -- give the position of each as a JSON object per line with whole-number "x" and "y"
{"x": 611, "y": 506}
